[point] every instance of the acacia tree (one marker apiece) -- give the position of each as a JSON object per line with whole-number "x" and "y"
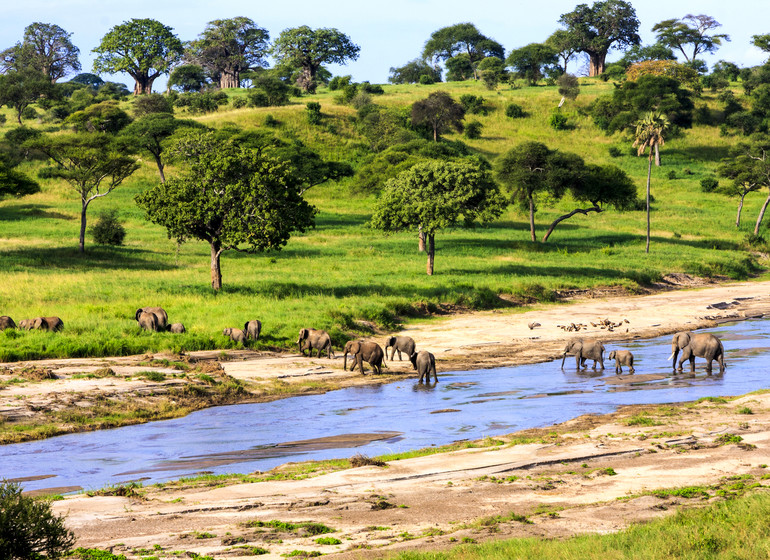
{"x": 440, "y": 112}
{"x": 437, "y": 195}
{"x": 749, "y": 167}
{"x": 228, "y": 47}
{"x": 564, "y": 45}
{"x": 142, "y": 48}
{"x": 690, "y": 30}
{"x": 308, "y": 49}
{"x": 461, "y": 38}
{"x": 149, "y": 132}
{"x": 21, "y": 88}
{"x": 46, "y": 48}
{"x": 533, "y": 61}
{"x": 92, "y": 163}
{"x": 598, "y": 28}
{"x": 650, "y": 133}
{"x": 745, "y": 179}
{"x": 232, "y": 197}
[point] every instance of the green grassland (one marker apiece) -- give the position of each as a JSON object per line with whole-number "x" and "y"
{"x": 343, "y": 271}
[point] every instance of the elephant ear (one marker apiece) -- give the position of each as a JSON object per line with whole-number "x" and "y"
{"x": 246, "y": 326}
{"x": 304, "y": 333}
{"x": 138, "y": 312}
{"x": 683, "y": 340}
{"x": 355, "y": 348}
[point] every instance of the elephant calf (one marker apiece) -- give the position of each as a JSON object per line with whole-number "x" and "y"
{"x": 6, "y": 323}
{"x": 312, "y": 338}
{"x": 425, "y": 364}
{"x": 148, "y": 321}
{"x": 399, "y": 344}
{"x": 236, "y": 335}
{"x": 252, "y": 329}
{"x": 622, "y": 358}
{"x": 177, "y": 328}
{"x": 26, "y": 324}
{"x": 363, "y": 352}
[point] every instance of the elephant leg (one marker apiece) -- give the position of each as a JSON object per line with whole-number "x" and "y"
{"x": 360, "y": 363}
{"x": 692, "y": 363}
{"x": 673, "y": 363}
{"x": 618, "y": 368}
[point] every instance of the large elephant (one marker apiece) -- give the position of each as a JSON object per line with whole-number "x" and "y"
{"x": 252, "y": 329}
{"x": 399, "y": 344}
{"x": 312, "y": 338}
{"x": 702, "y": 345}
{"x": 161, "y": 317}
{"x": 47, "y": 324}
{"x": 148, "y": 321}
{"x": 584, "y": 350}
{"x": 425, "y": 364}
{"x": 6, "y": 323}
{"x": 236, "y": 335}
{"x": 363, "y": 352}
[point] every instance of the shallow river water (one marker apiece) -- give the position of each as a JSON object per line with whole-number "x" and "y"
{"x": 374, "y": 420}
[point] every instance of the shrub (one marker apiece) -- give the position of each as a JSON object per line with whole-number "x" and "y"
{"x": 473, "y": 129}
{"x": 558, "y": 121}
{"x": 108, "y": 230}
{"x": 150, "y": 104}
{"x": 258, "y": 98}
{"x": 240, "y": 102}
{"x": 514, "y": 111}
{"x": 29, "y": 113}
{"x": 426, "y": 80}
{"x": 28, "y": 528}
{"x": 339, "y": 82}
{"x": 314, "y": 112}
{"x": 614, "y": 151}
{"x": 672, "y": 174}
{"x": 709, "y": 184}
{"x": 271, "y": 121}
{"x": 473, "y": 105}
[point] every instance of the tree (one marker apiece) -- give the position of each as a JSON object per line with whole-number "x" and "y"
{"x": 92, "y": 163}
{"x": 563, "y": 44}
{"x": 229, "y": 196}
{"x": 459, "y": 68}
{"x": 413, "y": 71}
{"x": 491, "y": 70}
{"x": 28, "y": 527}
{"x": 650, "y": 133}
{"x": 20, "y": 89}
{"x": 307, "y": 49}
{"x": 106, "y": 116}
{"x": 142, "y": 48}
{"x": 569, "y": 87}
{"x": 447, "y": 42}
{"x": 533, "y": 62}
{"x": 187, "y": 78}
{"x": 596, "y": 29}
{"x": 440, "y": 112}
{"x": 690, "y": 30}
{"x": 531, "y": 171}
{"x": 749, "y": 168}
{"x": 762, "y": 42}
{"x": 88, "y": 79}
{"x": 46, "y": 48}
{"x": 13, "y": 183}
{"x": 149, "y": 132}
{"x": 436, "y": 195}
{"x": 228, "y": 47}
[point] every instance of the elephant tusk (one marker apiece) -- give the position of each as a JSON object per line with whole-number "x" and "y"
{"x": 671, "y": 357}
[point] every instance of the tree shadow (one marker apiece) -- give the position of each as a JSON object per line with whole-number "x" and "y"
{"x": 97, "y": 257}
{"x": 21, "y": 212}
{"x": 702, "y": 153}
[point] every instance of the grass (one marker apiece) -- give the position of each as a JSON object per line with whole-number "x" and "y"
{"x": 731, "y": 529}
{"x": 342, "y": 271}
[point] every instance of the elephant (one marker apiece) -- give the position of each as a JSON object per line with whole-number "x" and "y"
{"x": 425, "y": 364}
{"x": 237, "y": 335}
{"x": 177, "y": 328}
{"x": 363, "y": 352}
{"x": 702, "y": 345}
{"x": 160, "y": 315}
{"x": 622, "y": 358}
{"x": 26, "y": 324}
{"x": 252, "y": 329}
{"x": 312, "y": 338}
{"x": 399, "y": 344}
{"x": 6, "y": 323}
{"x": 584, "y": 350}
{"x": 47, "y": 324}
{"x": 148, "y": 321}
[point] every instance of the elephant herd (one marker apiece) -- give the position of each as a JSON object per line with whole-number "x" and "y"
{"x": 370, "y": 352}
{"x": 691, "y": 345}
{"x": 53, "y": 324}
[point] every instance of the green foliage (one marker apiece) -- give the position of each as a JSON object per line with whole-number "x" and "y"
{"x": 709, "y": 184}
{"x": 558, "y": 121}
{"x": 439, "y": 112}
{"x": 46, "y": 48}
{"x": 690, "y": 30}
{"x": 152, "y": 103}
{"x": 187, "y": 78}
{"x": 473, "y": 130}
{"x": 28, "y": 528}
{"x": 269, "y": 91}
{"x": 108, "y": 230}
{"x": 15, "y": 184}
{"x": 313, "y": 112}
{"x": 414, "y": 72}
{"x": 473, "y": 104}
{"x": 328, "y": 540}
{"x": 492, "y": 71}
{"x": 569, "y": 86}
{"x": 95, "y": 554}
{"x": 514, "y": 111}
{"x": 445, "y": 43}
{"x": 20, "y": 89}
{"x": 202, "y": 102}
{"x": 106, "y": 116}
{"x": 459, "y": 68}
{"x": 533, "y": 62}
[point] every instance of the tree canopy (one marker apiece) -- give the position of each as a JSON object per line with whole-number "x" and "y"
{"x": 436, "y": 195}
{"x": 598, "y": 28}
{"x": 650, "y": 133}
{"x": 46, "y": 48}
{"x": 13, "y": 183}
{"x": 461, "y": 38}
{"x": 308, "y": 49}
{"x": 533, "y": 62}
{"x": 413, "y": 71}
{"x": 691, "y": 30}
{"x": 233, "y": 197}
{"x": 142, "y": 48}
{"x": 21, "y": 88}
{"x": 228, "y": 47}
{"x": 440, "y": 112}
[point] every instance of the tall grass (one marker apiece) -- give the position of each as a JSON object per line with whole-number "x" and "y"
{"x": 342, "y": 271}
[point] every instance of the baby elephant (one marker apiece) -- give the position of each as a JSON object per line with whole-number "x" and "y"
{"x": 237, "y": 335}
{"x": 177, "y": 328}
{"x": 252, "y": 329}
{"x": 622, "y": 358}
{"x": 399, "y": 344}
{"x": 425, "y": 364}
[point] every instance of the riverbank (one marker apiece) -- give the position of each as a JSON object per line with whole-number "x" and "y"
{"x": 51, "y": 397}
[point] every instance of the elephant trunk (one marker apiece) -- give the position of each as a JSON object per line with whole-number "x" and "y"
{"x": 563, "y": 357}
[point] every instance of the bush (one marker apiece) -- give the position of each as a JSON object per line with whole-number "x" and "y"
{"x": 239, "y": 102}
{"x": 28, "y": 528}
{"x": 473, "y": 105}
{"x": 473, "y": 129}
{"x": 314, "y": 112}
{"x": 558, "y": 121}
{"x": 29, "y": 113}
{"x": 271, "y": 121}
{"x": 108, "y": 230}
{"x": 614, "y": 151}
{"x": 672, "y": 174}
{"x": 514, "y": 111}
{"x": 339, "y": 82}
{"x": 426, "y": 80}
{"x": 151, "y": 104}
{"x": 709, "y": 184}
{"x": 258, "y": 98}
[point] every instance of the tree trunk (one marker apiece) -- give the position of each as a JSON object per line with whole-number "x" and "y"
{"x": 159, "y": 163}
{"x": 657, "y": 155}
{"x": 83, "y": 210}
{"x": 143, "y": 85}
{"x": 435, "y": 133}
{"x": 740, "y": 209}
{"x": 649, "y": 174}
{"x": 596, "y": 63}
{"x": 421, "y": 240}
{"x": 761, "y": 215}
{"x": 230, "y": 79}
{"x": 216, "y": 271}
{"x": 306, "y": 79}
{"x": 532, "y": 217}
{"x": 556, "y": 222}
{"x": 431, "y": 252}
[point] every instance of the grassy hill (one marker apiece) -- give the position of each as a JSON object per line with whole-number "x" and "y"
{"x": 342, "y": 271}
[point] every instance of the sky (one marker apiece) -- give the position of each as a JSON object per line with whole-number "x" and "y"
{"x": 389, "y": 32}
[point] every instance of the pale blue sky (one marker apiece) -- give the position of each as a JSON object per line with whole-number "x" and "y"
{"x": 390, "y": 32}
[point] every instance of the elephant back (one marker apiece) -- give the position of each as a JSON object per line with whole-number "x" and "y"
{"x": 6, "y": 323}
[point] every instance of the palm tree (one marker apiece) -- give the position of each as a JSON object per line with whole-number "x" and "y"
{"x": 649, "y": 133}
